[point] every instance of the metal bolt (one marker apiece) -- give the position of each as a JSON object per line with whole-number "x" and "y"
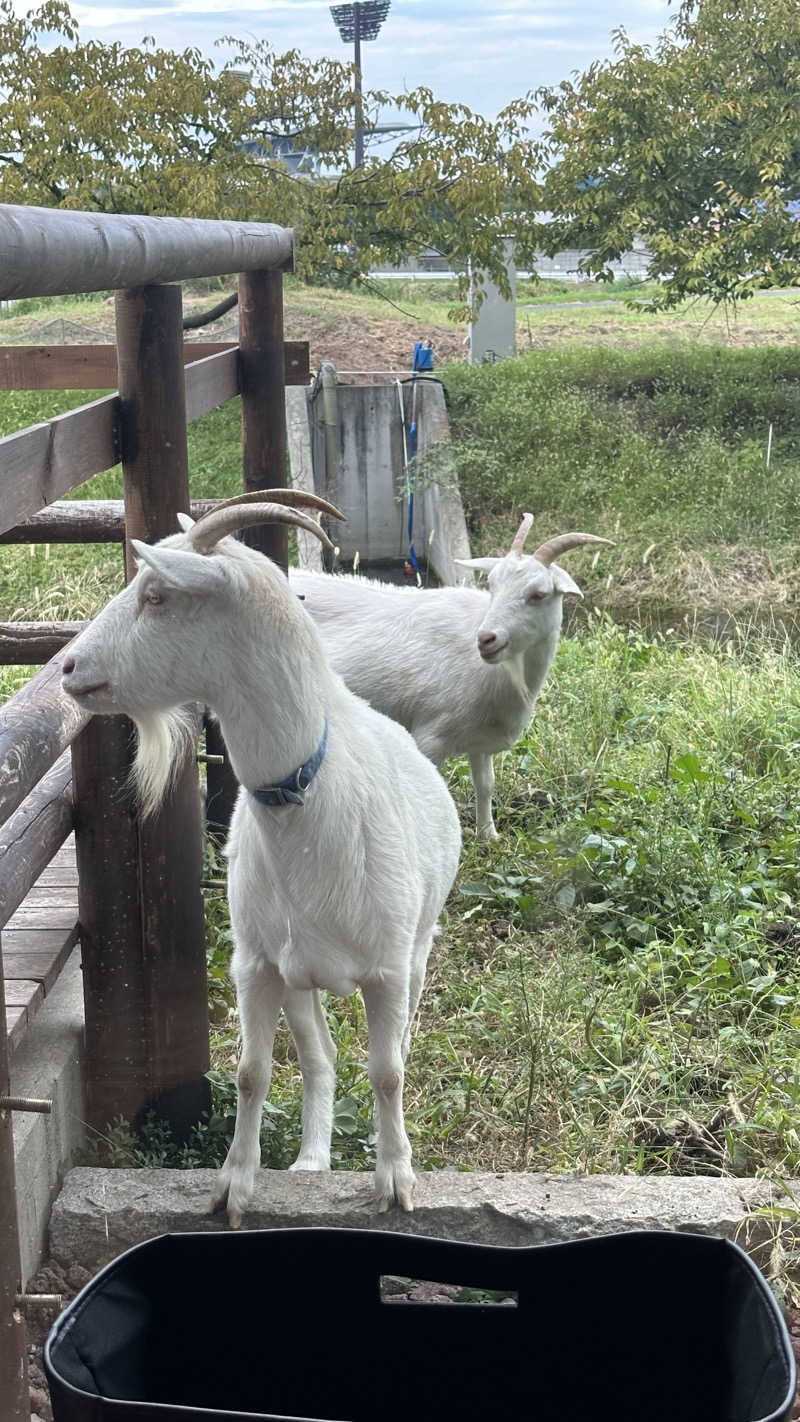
{"x": 25, "y": 1103}
{"x": 24, "y": 1301}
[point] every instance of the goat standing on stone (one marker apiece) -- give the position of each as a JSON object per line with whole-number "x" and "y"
{"x": 340, "y": 892}
{"x": 460, "y": 668}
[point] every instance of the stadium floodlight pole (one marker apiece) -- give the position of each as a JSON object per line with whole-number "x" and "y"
{"x": 357, "y": 22}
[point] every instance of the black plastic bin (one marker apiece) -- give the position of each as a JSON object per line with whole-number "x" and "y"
{"x": 655, "y": 1327}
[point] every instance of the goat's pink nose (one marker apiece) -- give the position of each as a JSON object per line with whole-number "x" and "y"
{"x": 68, "y": 666}
{"x": 485, "y": 639}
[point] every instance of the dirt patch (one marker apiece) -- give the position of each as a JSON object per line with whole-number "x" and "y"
{"x": 353, "y": 340}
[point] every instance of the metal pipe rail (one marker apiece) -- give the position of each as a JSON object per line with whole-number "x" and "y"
{"x": 54, "y": 252}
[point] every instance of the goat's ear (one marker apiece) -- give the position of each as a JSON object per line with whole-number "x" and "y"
{"x": 562, "y": 581}
{"x": 185, "y": 522}
{"x": 181, "y": 568}
{"x": 484, "y": 564}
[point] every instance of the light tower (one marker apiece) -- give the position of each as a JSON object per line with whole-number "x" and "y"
{"x": 357, "y": 22}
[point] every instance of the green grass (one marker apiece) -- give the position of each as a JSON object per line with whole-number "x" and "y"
{"x": 663, "y": 450}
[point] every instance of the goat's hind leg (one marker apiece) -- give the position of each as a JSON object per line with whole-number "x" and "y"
{"x": 419, "y": 964}
{"x": 317, "y": 1055}
{"x": 387, "y": 1004}
{"x": 259, "y": 990}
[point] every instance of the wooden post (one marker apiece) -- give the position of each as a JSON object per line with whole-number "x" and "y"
{"x": 222, "y": 787}
{"x": 263, "y": 387}
{"x": 13, "y": 1353}
{"x": 262, "y": 381}
{"x": 118, "y": 1078}
{"x": 153, "y": 965}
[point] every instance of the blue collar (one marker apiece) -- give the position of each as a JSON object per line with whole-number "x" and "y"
{"x": 290, "y": 791}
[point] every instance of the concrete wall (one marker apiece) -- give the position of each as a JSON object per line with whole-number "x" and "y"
{"x": 493, "y": 333}
{"x": 369, "y": 481}
{"x": 48, "y": 1063}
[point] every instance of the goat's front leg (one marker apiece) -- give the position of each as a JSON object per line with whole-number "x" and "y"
{"x": 482, "y": 769}
{"x": 259, "y": 991}
{"x": 387, "y": 1018}
{"x": 317, "y": 1055}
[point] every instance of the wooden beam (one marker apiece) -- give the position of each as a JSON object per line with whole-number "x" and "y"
{"x": 84, "y": 521}
{"x": 30, "y": 838}
{"x": 95, "y": 367}
{"x": 56, "y": 251}
{"x": 45, "y": 461}
{"x": 263, "y": 400}
{"x": 210, "y": 382}
{"x": 141, "y": 908}
{"x": 36, "y": 725}
{"x": 33, "y": 643}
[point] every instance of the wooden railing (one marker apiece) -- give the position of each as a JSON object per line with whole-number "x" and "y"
{"x": 140, "y": 901}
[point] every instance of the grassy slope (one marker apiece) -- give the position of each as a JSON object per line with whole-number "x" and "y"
{"x": 663, "y": 449}
{"x": 616, "y": 985}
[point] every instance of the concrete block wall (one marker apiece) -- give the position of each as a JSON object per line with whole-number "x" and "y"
{"x": 48, "y": 1063}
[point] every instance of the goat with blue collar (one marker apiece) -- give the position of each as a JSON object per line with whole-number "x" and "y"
{"x": 336, "y": 881}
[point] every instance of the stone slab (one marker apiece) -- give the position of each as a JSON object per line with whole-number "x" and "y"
{"x": 100, "y": 1213}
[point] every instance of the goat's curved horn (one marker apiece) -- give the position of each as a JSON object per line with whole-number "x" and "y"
{"x": 209, "y": 530}
{"x": 553, "y": 548}
{"x": 522, "y": 533}
{"x": 293, "y": 498}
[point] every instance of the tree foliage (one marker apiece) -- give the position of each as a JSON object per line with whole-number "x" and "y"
{"x": 694, "y": 145}
{"x": 103, "y": 127}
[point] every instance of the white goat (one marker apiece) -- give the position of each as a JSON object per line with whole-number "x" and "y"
{"x": 342, "y": 893}
{"x": 460, "y": 668}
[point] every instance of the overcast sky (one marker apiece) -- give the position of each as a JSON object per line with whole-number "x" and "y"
{"x": 479, "y": 52}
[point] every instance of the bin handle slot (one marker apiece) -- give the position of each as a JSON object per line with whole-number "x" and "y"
{"x": 396, "y": 1288}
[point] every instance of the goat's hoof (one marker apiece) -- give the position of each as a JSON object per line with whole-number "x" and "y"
{"x": 235, "y": 1219}
{"x": 487, "y": 832}
{"x": 394, "y": 1185}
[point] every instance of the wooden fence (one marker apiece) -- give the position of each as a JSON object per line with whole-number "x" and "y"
{"x": 139, "y": 897}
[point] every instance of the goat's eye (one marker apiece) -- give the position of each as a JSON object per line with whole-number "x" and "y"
{"x": 535, "y": 596}
{"x": 153, "y": 596}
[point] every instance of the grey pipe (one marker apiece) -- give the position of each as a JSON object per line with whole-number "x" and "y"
{"x": 52, "y": 252}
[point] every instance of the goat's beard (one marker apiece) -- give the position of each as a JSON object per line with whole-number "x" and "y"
{"x": 165, "y": 738}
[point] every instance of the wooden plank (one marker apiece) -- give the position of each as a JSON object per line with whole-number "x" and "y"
{"x": 210, "y": 382}
{"x": 24, "y": 992}
{"x": 83, "y": 521}
{"x": 36, "y": 725}
{"x": 44, "y": 896}
{"x": 16, "y": 1023}
{"x": 45, "y": 461}
{"x": 42, "y": 916}
{"x": 37, "y": 954}
{"x": 296, "y": 358}
{"x": 33, "y": 643}
{"x": 31, "y": 836}
{"x": 60, "y": 876}
{"x": 95, "y": 367}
